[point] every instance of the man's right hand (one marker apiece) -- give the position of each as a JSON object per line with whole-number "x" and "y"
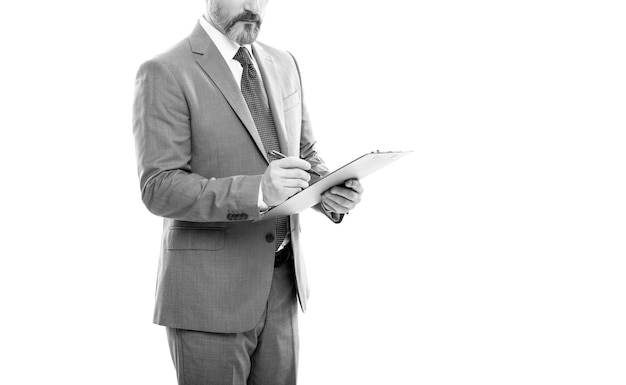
{"x": 283, "y": 178}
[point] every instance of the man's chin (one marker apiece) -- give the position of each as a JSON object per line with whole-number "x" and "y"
{"x": 243, "y": 37}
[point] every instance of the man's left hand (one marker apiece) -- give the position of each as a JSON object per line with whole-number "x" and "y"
{"x": 341, "y": 199}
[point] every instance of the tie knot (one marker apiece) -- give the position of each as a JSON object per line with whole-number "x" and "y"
{"x": 243, "y": 57}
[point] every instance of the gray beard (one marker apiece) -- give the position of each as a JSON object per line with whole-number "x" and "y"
{"x": 247, "y": 36}
{"x": 226, "y": 24}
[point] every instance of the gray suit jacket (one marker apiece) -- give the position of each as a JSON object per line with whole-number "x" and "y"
{"x": 200, "y": 162}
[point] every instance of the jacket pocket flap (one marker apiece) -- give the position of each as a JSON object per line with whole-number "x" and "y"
{"x": 181, "y": 238}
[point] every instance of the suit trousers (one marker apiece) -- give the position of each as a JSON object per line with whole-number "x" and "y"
{"x": 267, "y": 354}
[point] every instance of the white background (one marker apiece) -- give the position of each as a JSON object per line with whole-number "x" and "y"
{"x": 494, "y": 254}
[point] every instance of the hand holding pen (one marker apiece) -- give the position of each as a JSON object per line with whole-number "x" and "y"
{"x": 284, "y": 177}
{"x": 280, "y": 155}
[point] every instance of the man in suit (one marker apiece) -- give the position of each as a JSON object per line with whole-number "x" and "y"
{"x": 208, "y": 116}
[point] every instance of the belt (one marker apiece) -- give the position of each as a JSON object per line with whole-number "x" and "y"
{"x": 282, "y": 256}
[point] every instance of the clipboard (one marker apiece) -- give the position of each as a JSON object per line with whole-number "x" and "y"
{"x": 359, "y": 168}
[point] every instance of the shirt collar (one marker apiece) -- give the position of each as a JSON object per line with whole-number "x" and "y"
{"x": 227, "y": 47}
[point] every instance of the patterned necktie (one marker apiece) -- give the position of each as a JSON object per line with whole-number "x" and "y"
{"x": 256, "y": 98}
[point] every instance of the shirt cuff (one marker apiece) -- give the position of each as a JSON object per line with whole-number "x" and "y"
{"x": 261, "y": 203}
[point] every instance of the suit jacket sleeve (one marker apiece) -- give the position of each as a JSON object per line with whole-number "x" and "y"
{"x": 308, "y": 152}
{"x": 169, "y": 188}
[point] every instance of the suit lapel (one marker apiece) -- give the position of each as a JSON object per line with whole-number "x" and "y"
{"x": 271, "y": 81}
{"x": 212, "y": 62}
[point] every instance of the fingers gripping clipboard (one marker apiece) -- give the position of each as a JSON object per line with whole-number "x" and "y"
{"x": 356, "y": 169}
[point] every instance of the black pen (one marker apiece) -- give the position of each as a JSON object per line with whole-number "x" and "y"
{"x": 280, "y": 155}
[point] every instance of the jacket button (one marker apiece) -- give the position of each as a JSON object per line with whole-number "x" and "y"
{"x": 269, "y": 238}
